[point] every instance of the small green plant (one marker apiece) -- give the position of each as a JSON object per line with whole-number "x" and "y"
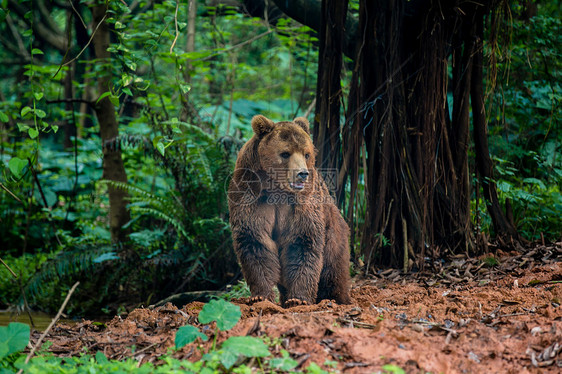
{"x": 230, "y": 357}
{"x": 101, "y": 364}
{"x": 284, "y": 363}
{"x": 393, "y": 369}
{"x": 314, "y": 368}
{"x": 225, "y": 315}
{"x": 490, "y": 261}
{"x": 237, "y": 291}
{"x": 188, "y": 334}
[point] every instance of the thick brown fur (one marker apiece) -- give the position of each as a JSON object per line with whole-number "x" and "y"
{"x": 286, "y": 228}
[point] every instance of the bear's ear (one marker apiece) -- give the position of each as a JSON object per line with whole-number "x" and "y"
{"x": 262, "y": 125}
{"x": 303, "y": 122}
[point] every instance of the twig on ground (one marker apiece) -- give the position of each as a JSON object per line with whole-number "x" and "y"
{"x": 140, "y": 350}
{"x": 357, "y": 324}
{"x": 38, "y": 344}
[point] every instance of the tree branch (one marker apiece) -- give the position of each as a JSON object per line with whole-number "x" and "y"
{"x": 309, "y": 13}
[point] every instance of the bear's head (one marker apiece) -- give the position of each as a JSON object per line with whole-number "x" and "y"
{"x": 285, "y": 153}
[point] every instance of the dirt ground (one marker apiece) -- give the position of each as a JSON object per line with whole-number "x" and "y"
{"x": 467, "y": 316}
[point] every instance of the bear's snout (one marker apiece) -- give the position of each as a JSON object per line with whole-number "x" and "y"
{"x": 302, "y": 175}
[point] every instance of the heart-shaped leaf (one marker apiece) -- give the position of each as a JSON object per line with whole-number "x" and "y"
{"x": 224, "y": 313}
{"x": 16, "y": 166}
{"x": 13, "y": 338}
{"x": 187, "y": 334}
{"x": 246, "y": 346}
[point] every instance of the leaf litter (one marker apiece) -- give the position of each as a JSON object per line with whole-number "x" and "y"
{"x": 464, "y": 316}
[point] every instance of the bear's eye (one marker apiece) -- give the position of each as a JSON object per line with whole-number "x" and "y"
{"x": 307, "y": 156}
{"x": 285, "y": 155}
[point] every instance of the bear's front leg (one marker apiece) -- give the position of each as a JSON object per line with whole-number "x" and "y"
{"x": 301, "y": 264}
{"x": 259, "y": 262}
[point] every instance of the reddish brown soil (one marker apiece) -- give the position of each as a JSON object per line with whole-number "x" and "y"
{"x": 462, "y": 317}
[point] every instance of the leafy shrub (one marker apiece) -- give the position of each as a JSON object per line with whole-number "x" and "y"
{"x": 525, "y": 113}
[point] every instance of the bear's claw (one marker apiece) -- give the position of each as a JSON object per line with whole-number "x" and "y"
{"x": 256, "y": 299}
{"x": 295, "y": 302}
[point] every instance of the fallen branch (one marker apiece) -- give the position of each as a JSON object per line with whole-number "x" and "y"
{"x": 54, "y": 320}
{"x": 357, "y": 324}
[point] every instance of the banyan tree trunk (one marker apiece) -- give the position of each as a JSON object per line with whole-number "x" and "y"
{"x": 416, "y": 141}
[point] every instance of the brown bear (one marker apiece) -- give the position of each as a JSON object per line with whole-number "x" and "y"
{"x": 286, "y": 228}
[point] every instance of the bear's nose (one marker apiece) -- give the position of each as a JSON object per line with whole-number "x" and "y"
{"x": 302, "y": 175}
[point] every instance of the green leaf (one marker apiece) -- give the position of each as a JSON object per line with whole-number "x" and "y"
{"x": 114, "y": 100}
{"x": 106, "y": 257}
{"x": 228, "y": 358}
{"x": 393, "y": 369}
{"x": 157, "y": 143}
{"x": 161, "y": 148}
{"x": 3, "y": 117}
{"x": 36, "y": 51}
{"x": 38, "y": 95}
{"x": 105, "y": 94}
{"x": 535, "y": 181}
{"x": 101, "y": 359}
{"x": 40, "y": 113}
{"x": 33, "y": 132}
{"x": 314, "y": 368}
{"x": 131, "y": 65}
{"x": 25, "y": 110}
{"x": 128, "y": 91}
{"x": 13, "y": 338}
{"x": 126, "y": 79}
{"x": 224, "y": 313}
{"x": 187, "y": 334}
{"x": 22, "y": 127}
{"x": 246, "y": 346}
{"x": 284, "y": 363}
{"x": 185, "y": 88}
{"x": 16, "y": 166}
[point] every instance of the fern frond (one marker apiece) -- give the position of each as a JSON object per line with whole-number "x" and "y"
{"x": 146, "y": 202}
{"x": 138, "y": 195}
{"x": 204, "y": 160}
{"x": 192, "y": 130}
{"x": 65, "y": 264}
{"x": 123, "y": 141}
{"x": 165, "y": 217}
